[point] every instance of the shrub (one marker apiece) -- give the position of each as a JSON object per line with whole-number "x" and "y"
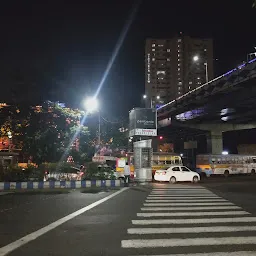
{"x": 14, "y": 173}
{"x": 94, "y": 171}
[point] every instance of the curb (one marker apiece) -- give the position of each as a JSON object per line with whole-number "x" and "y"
{"x": 59, "y": 184}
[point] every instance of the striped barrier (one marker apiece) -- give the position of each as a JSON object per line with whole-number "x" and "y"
{"x": 59, "y": 184}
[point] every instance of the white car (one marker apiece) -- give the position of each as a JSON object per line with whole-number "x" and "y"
{"x": 176, "y": 173}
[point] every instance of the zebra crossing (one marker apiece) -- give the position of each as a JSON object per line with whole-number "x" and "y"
{"x": 185, "y": 220}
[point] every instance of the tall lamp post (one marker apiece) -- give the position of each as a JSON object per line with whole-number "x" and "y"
{"x": 9, "y": 134}
{"x": 196, "y": 59}
{"x": 151, "y": 101}
{"x": 92, "y": 105}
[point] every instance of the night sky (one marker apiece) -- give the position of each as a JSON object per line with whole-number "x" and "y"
{"x": 59, "y": 51}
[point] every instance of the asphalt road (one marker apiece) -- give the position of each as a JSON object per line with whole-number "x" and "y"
{"x": 213, "y": 218}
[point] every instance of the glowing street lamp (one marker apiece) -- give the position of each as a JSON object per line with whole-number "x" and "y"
{"x": 196, "y": 59}
{"x": 92, "y": 105}
{"x": 151, "y": 102}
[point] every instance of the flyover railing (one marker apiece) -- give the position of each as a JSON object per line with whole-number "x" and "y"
{"x": 164, "y": 107}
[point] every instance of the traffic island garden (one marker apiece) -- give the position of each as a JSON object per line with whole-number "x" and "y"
{"x": 15, "y": 178}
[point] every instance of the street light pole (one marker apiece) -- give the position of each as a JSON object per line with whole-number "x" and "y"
{"x": 99, "y": 128}
{"x": 10, "y": 140}
{"x": 206, "y": 72}
{"x": 196, "y": 58}
{"x": 151, "y": 101}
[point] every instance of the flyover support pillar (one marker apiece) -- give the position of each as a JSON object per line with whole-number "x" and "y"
{"x": 215, "y": 142}
{"x": 214, "y": 138}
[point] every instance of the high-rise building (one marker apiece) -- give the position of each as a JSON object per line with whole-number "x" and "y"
{"x": 175, "y": 66}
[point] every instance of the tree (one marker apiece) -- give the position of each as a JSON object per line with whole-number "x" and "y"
{"x": 12, "y": 120}
{"x": 254, "y": 4}
{"x": 53, "y": 132}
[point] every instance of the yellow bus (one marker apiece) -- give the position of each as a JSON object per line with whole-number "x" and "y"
{"x": 210, "y": 164}
{"x": 160, "y": 160}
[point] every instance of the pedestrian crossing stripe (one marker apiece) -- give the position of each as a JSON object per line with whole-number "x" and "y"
{"x": 237, "y": 253}
{"x": 193, "y": 208}
{"x": 180, "y": 214}
{"x": 190, "y": 230}
{"x": 183, "y": 197}
{"x": 186, "y": 204}
{"x": 153, "y": 243}
{"x": 183, "y": 200}
{"x": 193, "y": 221}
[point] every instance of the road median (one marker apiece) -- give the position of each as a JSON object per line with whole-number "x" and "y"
{"x": 7, "y": 186}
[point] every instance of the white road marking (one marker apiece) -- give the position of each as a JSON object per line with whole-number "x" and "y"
{"x": 180, "y": 189}
{"x": 183, "y": 197}
{"x": 217, "y": 229}
{"x": 185, "y": 188}
{"x": 187, "y": 204}
{"x": 183, "y": 193}
{"x": 20, "y": 242}
{"x": 193, "y": 221}
{"x": 237, "y": 253}
{"x": 196, "y": 208}
{"x": 184, "y": 200}
{"x": 179, "y": 214}
{"x": 154, "y": 243}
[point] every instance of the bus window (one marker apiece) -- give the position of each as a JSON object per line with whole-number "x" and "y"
{"x": 177, "y": 161}
{"x": 254, "y": 160}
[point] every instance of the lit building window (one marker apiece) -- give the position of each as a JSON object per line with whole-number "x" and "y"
{"x": 160, "y": 45}
{"x": 179, "y": 74}
{"x": 168, "y": 50}
{"x": 178, "y": 55}
{"x": 178, "y": 50}
{"x": 180, "y": 83}
{"x": 178, "y": 69}
{"x": 178, "y": 92}
{"x": 178, "y": 46}
{"x": 189, "y": 87}
{"x": 153, "y": 45}
{"x": 178, "y": 59}
{"x": 153, "y": 50}
{"x": 205, "y": 50}
{"x": 153, "y": 59}
{"x": 168, "y": 59}
{"x": 179, "y": 40}
{"x": 160, "y": 72}
{"x": 190, "y": 82}
{"x": 148, "y": 78}
{"x": 198, "y": 78}
{"x": 178, "y": 64}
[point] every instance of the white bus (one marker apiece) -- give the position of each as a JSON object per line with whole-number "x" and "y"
{"x": 225, "y": 164}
